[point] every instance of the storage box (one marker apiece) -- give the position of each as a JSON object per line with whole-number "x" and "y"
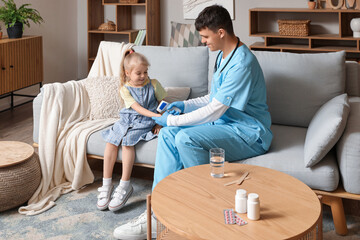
{"x": 294, "y": 27}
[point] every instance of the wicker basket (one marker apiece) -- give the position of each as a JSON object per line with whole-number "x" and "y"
{"x": 294, "y": 27}
{"x": 19, "y": 182}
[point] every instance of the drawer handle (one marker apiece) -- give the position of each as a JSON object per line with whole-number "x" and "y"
{"x": 11, "y": 66}
{"x": 3, "y": 68}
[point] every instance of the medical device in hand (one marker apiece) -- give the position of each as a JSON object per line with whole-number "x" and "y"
{"x": 163, "y": 107}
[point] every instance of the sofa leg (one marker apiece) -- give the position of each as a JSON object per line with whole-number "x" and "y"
{"x": 337, "y": 210}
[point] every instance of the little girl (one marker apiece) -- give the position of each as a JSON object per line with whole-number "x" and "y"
{"x": 141, "y": 96}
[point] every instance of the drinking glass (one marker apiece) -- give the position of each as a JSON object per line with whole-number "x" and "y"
{"x": 217, "y": 159}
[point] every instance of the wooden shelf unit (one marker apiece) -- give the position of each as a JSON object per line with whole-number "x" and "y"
{"x": 323, "y": 41}
{"x": 123, "y": 21}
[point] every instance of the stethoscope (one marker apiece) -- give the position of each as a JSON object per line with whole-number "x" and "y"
{"x": 216, "y": 67}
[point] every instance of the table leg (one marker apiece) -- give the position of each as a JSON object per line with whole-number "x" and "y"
{"x": 148, "y": 211}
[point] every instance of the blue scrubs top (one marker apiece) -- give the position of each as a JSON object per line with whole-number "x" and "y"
{"x": 241, "y": 86}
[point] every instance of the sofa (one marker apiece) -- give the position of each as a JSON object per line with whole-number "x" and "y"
{"x": 314, "y": 101}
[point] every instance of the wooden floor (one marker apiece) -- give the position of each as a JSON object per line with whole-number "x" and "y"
{"x": 17, "y": 125}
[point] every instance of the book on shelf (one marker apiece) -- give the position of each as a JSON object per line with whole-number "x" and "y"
{"x": 140, "y": 37}
{"x": 136, "y": 42}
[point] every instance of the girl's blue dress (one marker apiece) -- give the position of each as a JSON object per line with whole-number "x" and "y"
{"x": 132, "y": 126}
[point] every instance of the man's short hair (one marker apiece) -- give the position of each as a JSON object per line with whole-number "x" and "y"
{"x": 214, "y": 17}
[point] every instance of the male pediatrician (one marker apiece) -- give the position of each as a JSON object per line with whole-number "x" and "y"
{"x": 234, "y": 116}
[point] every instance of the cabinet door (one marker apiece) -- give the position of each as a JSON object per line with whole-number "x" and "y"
{"x": 5, "y": 82}
{"x": 25, "y": 62}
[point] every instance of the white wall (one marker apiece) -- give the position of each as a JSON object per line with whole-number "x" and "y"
{"x": 65, "y": 31}
{"x": 60, "y": 40}
{"x": 171, "y": 10}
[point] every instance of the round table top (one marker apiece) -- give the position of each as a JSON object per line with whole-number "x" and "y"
{"x": 13, "y": 152}
{"x": 191, "y": 203}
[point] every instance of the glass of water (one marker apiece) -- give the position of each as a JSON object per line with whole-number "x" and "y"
{"x": 217, "y": 159}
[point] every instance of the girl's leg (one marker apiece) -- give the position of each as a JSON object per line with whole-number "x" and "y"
{"x": 128, "y": 158}
{"x": 110, "y": 155}
{"x": 125, "y": 189}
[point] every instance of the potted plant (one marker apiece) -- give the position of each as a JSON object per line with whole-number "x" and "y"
{"x": 15, "y": 18}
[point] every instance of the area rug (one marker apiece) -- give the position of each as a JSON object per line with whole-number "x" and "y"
{"x": 75, "y": 216}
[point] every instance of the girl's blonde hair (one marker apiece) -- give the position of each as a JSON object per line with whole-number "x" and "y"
{"x": 130, "y": 60}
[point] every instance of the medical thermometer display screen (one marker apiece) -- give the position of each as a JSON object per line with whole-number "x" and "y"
{"x": 162, "y": 106}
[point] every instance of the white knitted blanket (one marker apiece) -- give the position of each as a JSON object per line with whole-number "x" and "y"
{"x": 64, "y": 130}
{"x": 63, "y": 133}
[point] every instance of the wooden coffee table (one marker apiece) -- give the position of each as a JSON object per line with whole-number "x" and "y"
{"x": 190, "y": 203}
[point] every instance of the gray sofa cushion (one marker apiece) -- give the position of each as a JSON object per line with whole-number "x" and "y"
{"x": 325, "y": 129}
{"x": 286, "y": 154}
{"x": 352, "y": 84}
{"x": 299, "y": 84}
{"x": 179, "y": 67}
{"x": 348, "y": 149}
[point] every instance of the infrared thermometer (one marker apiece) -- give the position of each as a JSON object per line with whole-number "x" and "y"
{"x": 163, "y": 107}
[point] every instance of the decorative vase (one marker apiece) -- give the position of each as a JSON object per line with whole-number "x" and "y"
{"x": 15, "y": 31}
{"x": 350, "y": 4}
{"x": 312, "y": 5}
{"x": 355, "y": 27}
{"x": 0, "y": 35}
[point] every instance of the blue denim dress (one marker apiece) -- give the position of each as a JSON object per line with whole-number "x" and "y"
{"x": 132, "y": 126}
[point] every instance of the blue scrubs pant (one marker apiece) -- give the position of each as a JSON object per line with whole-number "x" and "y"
{"x": 183, "y": 147}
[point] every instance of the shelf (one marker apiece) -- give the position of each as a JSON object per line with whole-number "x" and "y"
{"x": 125, "y": 27}
{"x": 312, "y": 36}
{"x": 117, "y": 2}
{"x": 114, "y": 32}
{"x": 261, "y": 45}
{"x": 264, "y": 20}
{"x": 304, "y": 10}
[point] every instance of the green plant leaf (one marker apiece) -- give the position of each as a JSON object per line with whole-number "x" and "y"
{"x": 10, "y": 14}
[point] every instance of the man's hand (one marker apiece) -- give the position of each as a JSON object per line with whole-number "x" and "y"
{"x": 156, "y": 129}
{"x": 161, "y": 120}
{"x": 176, "y": 108}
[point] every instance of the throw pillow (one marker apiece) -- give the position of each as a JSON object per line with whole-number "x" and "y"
{"x": 105, "y": 101}
{"x": 177, "y": 94}
{"x": 184, "y": 35}
{"x": 325, "y": 129}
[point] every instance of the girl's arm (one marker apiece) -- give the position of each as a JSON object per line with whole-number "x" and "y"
{"x": 143, "y": 111}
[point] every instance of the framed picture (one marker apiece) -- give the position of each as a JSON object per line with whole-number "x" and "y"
{"x": 192, "y": 8}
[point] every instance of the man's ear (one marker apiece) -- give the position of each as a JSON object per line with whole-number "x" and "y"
{"x": 221, "y": 32}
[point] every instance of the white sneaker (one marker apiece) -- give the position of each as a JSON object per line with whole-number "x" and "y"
{"x": 120, "y": 197}
{"x": 104, "y": 197}
{"x": 136, "y": 229}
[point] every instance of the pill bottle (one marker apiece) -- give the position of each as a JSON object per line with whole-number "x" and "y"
{"x": 253, "y": 206}
{"x": 240, "y": 201}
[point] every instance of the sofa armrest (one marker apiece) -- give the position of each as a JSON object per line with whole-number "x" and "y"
{"x": 348, "y": 150}
{"x": 36, "y": 113}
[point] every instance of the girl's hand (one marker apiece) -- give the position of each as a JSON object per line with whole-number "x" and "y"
{"x": 156, "y": 129}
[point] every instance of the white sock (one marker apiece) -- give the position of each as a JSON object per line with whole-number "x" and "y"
{"x": 124, "y": 184}
{"x": 107, "y": 181}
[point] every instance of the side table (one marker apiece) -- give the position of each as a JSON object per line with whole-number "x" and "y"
{"x": 20, "y": 173}
{"x": 190, "y": 204}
